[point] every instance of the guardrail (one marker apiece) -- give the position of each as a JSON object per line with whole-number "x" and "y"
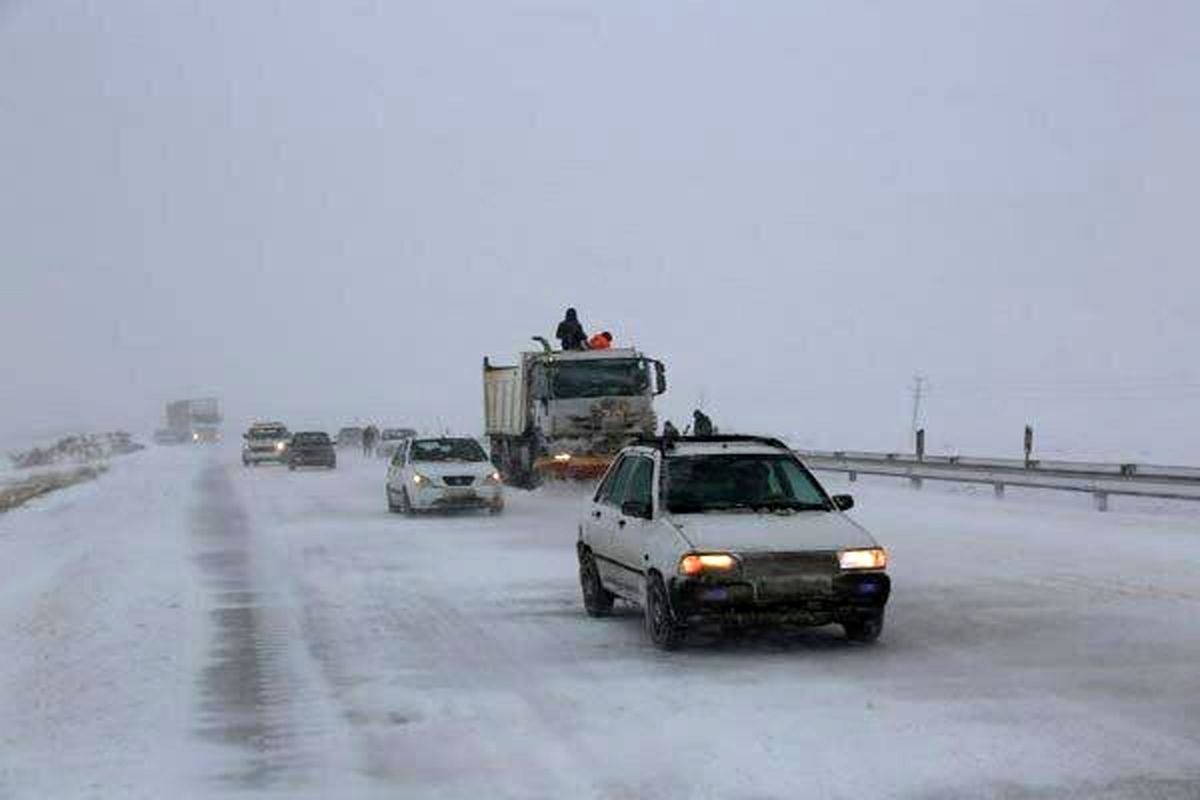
{"x": 1101, "y": 480}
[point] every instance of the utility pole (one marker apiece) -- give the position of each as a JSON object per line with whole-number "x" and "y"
{"x": 920, "y": 388}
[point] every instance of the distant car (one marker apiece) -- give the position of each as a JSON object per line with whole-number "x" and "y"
{"x": 265, "y": 442}
{"x": 350, "y": 437}
{"x": 390, "y": 440}
{"x": 442, "y": 474}
{"x": 311, "y": 449}
{"x": 727, "y": 531}
{"x": 168, "y": 436}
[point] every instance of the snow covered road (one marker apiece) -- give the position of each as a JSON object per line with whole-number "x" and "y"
{"x": 187, "y": 627}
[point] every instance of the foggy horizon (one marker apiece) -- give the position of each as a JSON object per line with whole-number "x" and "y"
{"x": 329, "y": 213}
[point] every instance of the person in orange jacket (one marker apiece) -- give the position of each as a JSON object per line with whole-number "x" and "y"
{"x": 601, "y": 341}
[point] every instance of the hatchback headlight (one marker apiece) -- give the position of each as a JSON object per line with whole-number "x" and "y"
{"x": 421, "y": 480}
{"x": 703, "y": 563}
{"x": 867, "y": 558}
{"x": 494, "y": 477}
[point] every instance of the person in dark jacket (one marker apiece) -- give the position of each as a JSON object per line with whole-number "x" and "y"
{"x": 670, "y": 431}
{"x": 570, "y": 332}
{"x": 701, "y": 424}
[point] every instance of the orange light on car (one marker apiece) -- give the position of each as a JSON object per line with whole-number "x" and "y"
{"x": 695, "y": 564}
{"x": 869, "y": 558}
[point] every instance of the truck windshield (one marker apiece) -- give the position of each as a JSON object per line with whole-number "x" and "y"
{"x": 601, "y": 378}
{"x": 447, "y": 450}
{"x": 695, "y": 484}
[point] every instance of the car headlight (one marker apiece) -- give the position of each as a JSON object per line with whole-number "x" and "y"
{"x": 495, "y": 477}
{"x": 421, "y": 480}
{"x": 867, "y": 558}
{"x": 699, "y": 563}
{"x": 281, "y": 446}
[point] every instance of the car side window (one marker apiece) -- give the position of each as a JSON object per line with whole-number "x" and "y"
{"x": 616, "y": 491}
{"x": 640, "y": 488}
{"x": 606, "y": 485}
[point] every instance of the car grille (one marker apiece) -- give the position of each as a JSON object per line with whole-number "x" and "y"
{"x": 459, "y": 480}
{"x": 789, "y": 577}
{"x": 780, "y": 565}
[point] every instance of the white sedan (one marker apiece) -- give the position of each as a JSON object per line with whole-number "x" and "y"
{"x": 442, "y": 474}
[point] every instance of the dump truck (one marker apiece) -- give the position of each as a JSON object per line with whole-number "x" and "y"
{"x": 565, "y": 414}
{"x": 195, "y": 420}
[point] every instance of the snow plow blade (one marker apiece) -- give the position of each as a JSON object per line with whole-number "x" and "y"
{"x": 574, "y": 468}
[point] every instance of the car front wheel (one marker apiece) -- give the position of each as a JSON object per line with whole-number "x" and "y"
{"x": 864, "y": 630}
{"x": 597, "y": 601}
{"x": 665, "y": 632}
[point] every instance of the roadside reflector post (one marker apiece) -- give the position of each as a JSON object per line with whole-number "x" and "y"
{"x": 998, "y": 488}
{"x": 915, "y": 481}
{"x": 1028, "y": 446}
{"x": 921, "y": 445}
{"x": 1101, "y": 501}
{"x": 853, "y": 476}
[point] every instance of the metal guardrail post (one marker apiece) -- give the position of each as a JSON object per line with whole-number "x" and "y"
{"x": 998, "y": 488}
{"x": 1101, "y": 501}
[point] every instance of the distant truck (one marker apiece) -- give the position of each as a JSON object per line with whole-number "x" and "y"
{"x": 196, "y": 420}
{"x": 565, "y": 414}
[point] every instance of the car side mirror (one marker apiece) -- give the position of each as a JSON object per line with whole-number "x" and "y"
{"x": 843, "y": 502}
{"x": 634, "y": 508}
{"x": 660, "y": 373}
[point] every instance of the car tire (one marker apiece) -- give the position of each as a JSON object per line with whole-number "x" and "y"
{"x": 664, "y": 630}
{"x": 597, "y": 601}
{"x": 392, "y": 507}
{"x": 864, "y": 631}
{"x": 406, "y": 505}
{"x": 292, "y": 467}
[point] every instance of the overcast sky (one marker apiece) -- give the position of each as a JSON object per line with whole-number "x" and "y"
{"x": 332, "y": 211}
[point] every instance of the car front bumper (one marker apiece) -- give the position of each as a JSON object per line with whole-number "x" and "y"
{"x": 449, "y": 498}
{"x": 816, "y": 600}
{"x": 259, "y": 456}
{"x": 314, "y": 459}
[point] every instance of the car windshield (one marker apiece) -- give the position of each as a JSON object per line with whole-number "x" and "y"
{"x": 311, "y": 438}
{"x": 725, "y": 481}
{"x": 268, "y": 433}
{"x": 447, "y": 450}
{"x": 397, "y": 433}
{"x": 601, "y": 378}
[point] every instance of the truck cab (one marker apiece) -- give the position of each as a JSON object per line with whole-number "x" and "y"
{"x": 567, "y": 413}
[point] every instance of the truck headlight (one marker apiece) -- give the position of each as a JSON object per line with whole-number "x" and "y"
{"x": 281, "y": 446}
{"x": 868, "y": 558}
{"x": 698, "y": 563}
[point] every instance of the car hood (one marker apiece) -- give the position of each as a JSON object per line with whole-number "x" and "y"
{"x": 440, "y": 469}
{"x": 772, "y": 533}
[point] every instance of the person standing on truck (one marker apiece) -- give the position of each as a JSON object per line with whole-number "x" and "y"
{"x": 701, "y": 424}
{"x": 570, "y": 332}
{"x": 601, "y": 341}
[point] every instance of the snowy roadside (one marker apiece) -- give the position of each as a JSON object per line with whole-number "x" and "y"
{"x": 100, "y": 630}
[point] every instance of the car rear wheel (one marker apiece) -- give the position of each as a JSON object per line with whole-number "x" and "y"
{"x": 597, "y": 601}
{"x": 665, "y": 632}
{"x": 865, "y": 630}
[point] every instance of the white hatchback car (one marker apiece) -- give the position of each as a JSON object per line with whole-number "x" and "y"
{"x": 443, "y": 474}
{"x": 727, "y": 531}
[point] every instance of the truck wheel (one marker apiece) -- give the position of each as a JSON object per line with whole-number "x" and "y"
{"x": 665, "y": 632}
{"x": 865, "y": 631}
{"x": 597, "y": 601}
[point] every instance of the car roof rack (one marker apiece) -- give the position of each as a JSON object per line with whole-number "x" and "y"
{"x": 666, "y": 443}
